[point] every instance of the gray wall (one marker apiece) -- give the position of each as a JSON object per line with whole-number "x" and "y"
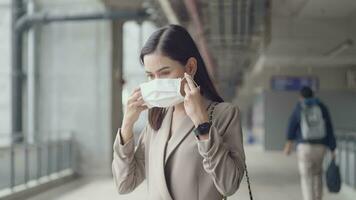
{"x": 278, "y": 107}
{"x": 342, "y": 106}
{"x": 74, "y": 89}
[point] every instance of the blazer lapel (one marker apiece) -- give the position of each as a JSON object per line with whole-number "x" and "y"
{"x": 162, "y": 138}
{"x": 185, "y": 127}
{"x": 163, "y": 154}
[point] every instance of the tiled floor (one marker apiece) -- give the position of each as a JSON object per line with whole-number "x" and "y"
{"x": 273, "y": 176}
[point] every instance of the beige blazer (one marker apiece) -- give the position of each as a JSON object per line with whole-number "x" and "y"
{"x": 183, "y": 167}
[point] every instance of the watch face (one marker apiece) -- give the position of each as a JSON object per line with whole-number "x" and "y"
{"x": 203, "y": 128}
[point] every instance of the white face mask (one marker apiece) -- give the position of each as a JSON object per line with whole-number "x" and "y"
{"x": 162, "y": 92}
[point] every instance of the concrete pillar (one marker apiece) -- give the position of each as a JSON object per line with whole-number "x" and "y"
{"x": 116, "y": 77}
{"x": 31, "y": 78}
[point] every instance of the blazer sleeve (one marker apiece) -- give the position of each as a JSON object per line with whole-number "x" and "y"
{"x": 223, "y": 153}
{"x": 128, "y": 165}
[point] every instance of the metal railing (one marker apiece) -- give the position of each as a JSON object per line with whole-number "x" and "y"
{"x": 24, "y": 164}
{"x": 346, "y": 156}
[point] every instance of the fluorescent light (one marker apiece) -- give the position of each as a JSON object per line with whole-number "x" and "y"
{"x": 340, "y": 48}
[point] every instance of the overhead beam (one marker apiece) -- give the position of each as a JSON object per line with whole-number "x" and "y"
{"x": 27, "y": 21}
{"x": 202, "y": 43}
{"x": 169, "y": 12}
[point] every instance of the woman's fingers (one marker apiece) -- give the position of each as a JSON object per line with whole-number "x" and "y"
{"x": 187, "y": 90}
{"x": 135, "y": 90}
{"x": 136, "y": 100}
{"x": 142, "y": 108}
{"x": 190, "y": 81}
{"x": 138, "y": 103}
{"x": 135, "y": 96}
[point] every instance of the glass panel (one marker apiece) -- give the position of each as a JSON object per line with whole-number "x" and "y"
{"x": 19, "y": 164}
{"x": 4, "y": 167}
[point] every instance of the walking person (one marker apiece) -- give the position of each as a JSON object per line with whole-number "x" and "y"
{"x": 311, "y": 127}
{"x": 192, "y": 145}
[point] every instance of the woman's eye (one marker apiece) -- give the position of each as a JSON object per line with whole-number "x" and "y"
{"x": 149, "y": 76}
{"x": 165, "y": 73}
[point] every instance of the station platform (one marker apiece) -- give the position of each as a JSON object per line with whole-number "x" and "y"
{"x": 273, "y": 175}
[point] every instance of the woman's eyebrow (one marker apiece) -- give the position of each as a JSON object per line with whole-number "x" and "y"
{"x": 161, "y": 69}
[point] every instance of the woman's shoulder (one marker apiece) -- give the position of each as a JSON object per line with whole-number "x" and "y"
{"x": 226, "y": 107}
{"x": 226, "y": 117}
{"x": 225, "y": 110}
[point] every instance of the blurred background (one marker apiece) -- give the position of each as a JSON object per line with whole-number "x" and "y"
{"x": 67, "y": 66}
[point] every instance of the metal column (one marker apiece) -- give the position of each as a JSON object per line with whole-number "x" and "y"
{"x": 116, "y": 78}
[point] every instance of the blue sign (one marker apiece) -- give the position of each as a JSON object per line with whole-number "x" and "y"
{"x": 291, "y": 83}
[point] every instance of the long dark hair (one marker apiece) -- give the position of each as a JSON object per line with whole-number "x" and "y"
{"x": 175, "y": 42}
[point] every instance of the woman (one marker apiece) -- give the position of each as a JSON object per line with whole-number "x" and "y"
{"x": 181, "y": 154}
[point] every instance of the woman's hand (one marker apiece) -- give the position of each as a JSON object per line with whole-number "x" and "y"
{"x": 134, "y": 107}
{"x": 193, "y": 102}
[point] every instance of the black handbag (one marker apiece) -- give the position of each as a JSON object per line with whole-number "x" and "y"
{"x": 211, "y": 110}
{"x": 333, "y": 177}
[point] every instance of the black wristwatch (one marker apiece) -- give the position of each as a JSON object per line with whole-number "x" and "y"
{"x": 202, "y": 129}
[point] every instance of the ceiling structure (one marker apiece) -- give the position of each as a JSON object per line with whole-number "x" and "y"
{"x": 228, "y": 33}
{"x": 315, "y": 33}
{"x": 314, "y": 9}
{"x": 233, "y": 31}
{"x": 124, "y": 4}
{"x": 234, "y": 36}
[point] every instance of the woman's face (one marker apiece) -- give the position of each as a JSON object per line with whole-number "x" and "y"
{"x": 158, "y": 66}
